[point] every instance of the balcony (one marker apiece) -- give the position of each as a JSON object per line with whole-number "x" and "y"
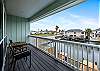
{"x": 46, "y": 54}
{"x": 40, "y": 61}
{"x": 78, "y": 56}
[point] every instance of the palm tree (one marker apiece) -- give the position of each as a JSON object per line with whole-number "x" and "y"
{"x": 56, "y": 29}
{"x": 59, "y": 30}
{"x": 88, "y": 31}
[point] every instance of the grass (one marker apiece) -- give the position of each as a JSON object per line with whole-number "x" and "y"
{"x": 41, "y": 34}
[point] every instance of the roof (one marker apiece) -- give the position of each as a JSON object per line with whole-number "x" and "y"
{"x": 74, "y": 30}
{"x": 97, "y": 33}
{"x": 97, "y": 29}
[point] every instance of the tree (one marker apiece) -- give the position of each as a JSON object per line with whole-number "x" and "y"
{"x": 59, "y": 30}
{"x": 62, "y": 30}
{"x": 56, "y": 29}
{"x": 41, "y": 30}
{"x": 88, "y": 31}
{"x": 47, "y": 31}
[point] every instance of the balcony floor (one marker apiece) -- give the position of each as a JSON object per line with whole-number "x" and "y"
{"x": 39, "y": 62}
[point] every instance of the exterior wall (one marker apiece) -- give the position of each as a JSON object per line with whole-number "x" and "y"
{"x": 17, "y": 28}
{"x": 98, "y": 37}
{"x": 95, "y": 35}
{"x": 78, "y": 34}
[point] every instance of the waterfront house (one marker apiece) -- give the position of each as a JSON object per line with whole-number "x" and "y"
{"x": 75, "y": 33}
{"x": 95, "y": 35}
{"x": 33, "y": 32}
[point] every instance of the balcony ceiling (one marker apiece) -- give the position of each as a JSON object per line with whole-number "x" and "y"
{"x": 25, "y": 8}
{"x": 37, "y": 9}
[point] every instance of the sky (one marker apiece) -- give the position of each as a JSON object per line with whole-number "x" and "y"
{"x": 82, "y": 16}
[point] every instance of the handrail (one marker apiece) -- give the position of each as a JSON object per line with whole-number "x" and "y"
{"x": 63, "y": 41}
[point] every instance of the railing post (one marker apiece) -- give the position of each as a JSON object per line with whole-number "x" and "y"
{"x": 59, "y": 50}
{"x": 87, "y": 59}
{"x": 73, "y": 55}
{"x": 82, "y": 57}
{"x": 70, "y": 55}
{"x": 64, "y": 52}
{"x": 78, "y": 56}
{"x": 99, "y": 59}
{"x": 36, "y": 42}
{"x": 93, "y": 59}
{"x": 55, "y": 50}
{"x": 67, "y": 54}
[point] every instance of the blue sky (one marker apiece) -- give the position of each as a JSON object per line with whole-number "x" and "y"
{"x": 82, "y": 16}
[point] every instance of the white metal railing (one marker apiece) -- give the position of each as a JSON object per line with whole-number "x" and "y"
{"x": 80, "y": 56}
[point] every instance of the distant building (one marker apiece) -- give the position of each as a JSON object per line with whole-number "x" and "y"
{"x": 42, "y": 32}
{"x": 75, "y": 33}
{"x": 95, "y": 35}
{"x": 33, "y": 32}
{"x": 51, "y": 31}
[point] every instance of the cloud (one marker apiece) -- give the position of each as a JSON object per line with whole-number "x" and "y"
{"x": 74, "y": 16}
{"x": 83, "y": 20}
{"x": 90, "y": 21}
{"x": 67, "y": 21}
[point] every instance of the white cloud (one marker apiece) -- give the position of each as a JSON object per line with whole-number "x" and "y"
{"x": 67, "y": 21}
{"x": 91, "y": 21}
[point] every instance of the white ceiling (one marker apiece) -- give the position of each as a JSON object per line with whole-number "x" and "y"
{"x": 25, "y": 8}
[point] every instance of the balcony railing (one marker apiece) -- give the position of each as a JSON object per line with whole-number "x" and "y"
{"x": 80, "y": 56}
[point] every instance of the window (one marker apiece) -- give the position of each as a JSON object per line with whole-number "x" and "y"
{"x": 71, "y": 35}
{"x": 96, "y": 31}
{"x": 96, "y": 35}
{"x": 74, "y": 32}
{"x": 82, "y": 36}
{"x": 82, "y": 32}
